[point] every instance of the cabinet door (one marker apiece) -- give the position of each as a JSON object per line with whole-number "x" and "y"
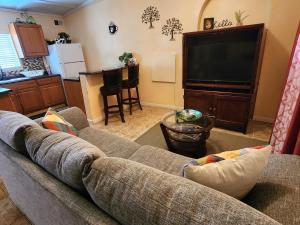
{"x": 53, "y": 94}
{"x": 232, "y": 111}
{"x": 32, "y": 40}
{"x": 74, "y": 94}
{"x": 30, "y": 100}
{"x": 6, "y": 103}
{"x": 199, "y": 100}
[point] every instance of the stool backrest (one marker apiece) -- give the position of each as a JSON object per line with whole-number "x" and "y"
{"x": 133, "y": 73}
{"x": 112, "y": 78}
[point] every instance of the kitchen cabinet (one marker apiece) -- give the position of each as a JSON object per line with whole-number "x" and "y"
{"x": 74, "y": 94}
{"x": 31, "y": 96}
{"x": 30, "y": 100}
{"x": 232, "y": 110}
{"x": 52, "y": 91}
{"x": 6, "y": 101}
{"x": 29, "y": 40}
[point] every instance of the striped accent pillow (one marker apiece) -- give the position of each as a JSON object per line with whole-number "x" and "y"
{"x": 54, "y": 121}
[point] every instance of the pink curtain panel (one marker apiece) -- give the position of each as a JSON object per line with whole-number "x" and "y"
{"x": 285, "y": 138}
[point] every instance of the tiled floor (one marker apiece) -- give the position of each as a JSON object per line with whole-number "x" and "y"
{"x": 141, "y": 121}
{"x": 135, "y": 126}
{"x": 9, "y": 213}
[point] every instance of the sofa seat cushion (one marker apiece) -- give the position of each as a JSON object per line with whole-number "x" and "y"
{"x": 65, "y": 156}
{"x": 112, "y": 145}
{"x": 277, "y": 193}
{"x": 136, "y": 194}
{"x": 12, "y": 129}
{"x": 160, "y": 159}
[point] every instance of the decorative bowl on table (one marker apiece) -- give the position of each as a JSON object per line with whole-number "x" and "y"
{"x": 188, "y": 115}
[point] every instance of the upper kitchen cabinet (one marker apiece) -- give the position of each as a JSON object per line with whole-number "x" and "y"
{"x": 29, "y": 40}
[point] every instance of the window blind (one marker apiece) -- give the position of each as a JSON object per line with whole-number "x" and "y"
{"x": 8, "y": 54}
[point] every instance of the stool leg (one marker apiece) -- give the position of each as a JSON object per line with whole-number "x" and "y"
{"x": 138, "y": 97}
{"x": 120, "y": 104}
{"x": 105, "y": 109}
{"x": 130, "y": 101}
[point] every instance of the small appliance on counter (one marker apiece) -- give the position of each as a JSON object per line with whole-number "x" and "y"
{"x": 66, "y": 60}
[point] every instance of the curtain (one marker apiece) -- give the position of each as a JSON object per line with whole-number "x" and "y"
{"x": 285, "y": 138}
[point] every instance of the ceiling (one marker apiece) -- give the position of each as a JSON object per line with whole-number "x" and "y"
{"x": 58, "y": 7}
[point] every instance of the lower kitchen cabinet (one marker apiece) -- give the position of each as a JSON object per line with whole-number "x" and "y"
{"x": 74, "y": 94}
{"x": 6, "y": 103}
{"x": 31, "y": 96}
{"x": 30, "y": 100}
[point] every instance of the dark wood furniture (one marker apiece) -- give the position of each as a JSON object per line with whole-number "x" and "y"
{"x": 132, "y": 82}
{"x": 188, "y": 139}
{"x": 30, "y": 96}
{"x": 112, "y": 80}
{"x": 5, "y": 100}
{"x": 232, "y": 104}
{"x": 29, "y": 40}
{"x": 74, "y": 94}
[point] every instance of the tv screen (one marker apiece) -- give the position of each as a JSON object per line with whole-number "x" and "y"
{"x": 225, "y": 57}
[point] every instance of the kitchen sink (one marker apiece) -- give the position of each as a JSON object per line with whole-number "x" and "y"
{"x": 12, "y": 77}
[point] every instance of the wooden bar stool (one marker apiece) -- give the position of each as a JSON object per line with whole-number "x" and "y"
{"x": 132, "y": 82}
{"x": 112, "y": 86}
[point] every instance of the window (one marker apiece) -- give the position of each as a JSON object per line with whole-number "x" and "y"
{"x": 8, "y": 55}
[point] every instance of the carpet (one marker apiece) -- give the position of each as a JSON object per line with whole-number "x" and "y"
{"x": 220, "y": 140}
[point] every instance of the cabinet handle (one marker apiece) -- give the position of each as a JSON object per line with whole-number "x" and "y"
{"x": 210, "y": 108}
{"x": 214, "y": 109}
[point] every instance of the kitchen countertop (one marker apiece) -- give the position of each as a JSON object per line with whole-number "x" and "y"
{"x": 91, "y": 73}
{"x": 26, "y": 78}
{"x": 72, "y": 79}
{"x": 4, "y": 91}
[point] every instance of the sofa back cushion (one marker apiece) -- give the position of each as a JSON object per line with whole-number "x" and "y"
{"x": 137, "y": 194}
{"x": 12, "y": 129}
{"x": 66, "y": 157}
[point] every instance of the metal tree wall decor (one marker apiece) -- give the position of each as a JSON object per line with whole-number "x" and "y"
{"x": 172, "y": 27}
{"x": 150, "y": 15}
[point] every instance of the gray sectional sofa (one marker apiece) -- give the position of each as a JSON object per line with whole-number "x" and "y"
{"x": 100, "y": 178}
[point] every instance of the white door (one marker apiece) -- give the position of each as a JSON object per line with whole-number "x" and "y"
{"x": 72, "y": 70}
{"x": 69, "y": 53}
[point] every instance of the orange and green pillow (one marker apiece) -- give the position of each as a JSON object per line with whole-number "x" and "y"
{"x": 54, "y": 121}
{"x": 223, "y": 156}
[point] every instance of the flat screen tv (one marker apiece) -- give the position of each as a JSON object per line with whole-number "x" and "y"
{"x": 225, "y": 56}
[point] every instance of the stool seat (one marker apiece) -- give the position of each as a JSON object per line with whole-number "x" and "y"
{"x": 112, "y": 86}
{"x": 132, "y": 82}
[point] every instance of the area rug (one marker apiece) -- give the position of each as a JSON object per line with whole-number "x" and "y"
{"x": 9, "y": 213}
{"x": 220, "y": 140}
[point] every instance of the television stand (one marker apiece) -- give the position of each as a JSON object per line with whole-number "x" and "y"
{"x": 231, "y": 109}
{"x": 230, "y": 102}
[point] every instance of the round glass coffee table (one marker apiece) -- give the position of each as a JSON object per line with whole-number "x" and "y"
{"x": 187, "y": 138}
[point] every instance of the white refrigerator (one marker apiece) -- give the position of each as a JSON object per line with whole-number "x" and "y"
{"x": 66, "y": 60}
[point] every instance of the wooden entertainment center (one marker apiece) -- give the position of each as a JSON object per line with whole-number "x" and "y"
{"x": 232, "y": 103}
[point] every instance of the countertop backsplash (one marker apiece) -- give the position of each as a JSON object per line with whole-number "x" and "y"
{"x": 27, "y": 65}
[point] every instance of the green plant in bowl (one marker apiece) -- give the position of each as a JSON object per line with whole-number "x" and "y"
{"x": 125, "y": 57}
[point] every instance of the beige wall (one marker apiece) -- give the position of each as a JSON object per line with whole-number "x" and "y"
{"x": 50, "y": 30}
{"x": 89, "y": 26}
{"x": 282, "y": 27}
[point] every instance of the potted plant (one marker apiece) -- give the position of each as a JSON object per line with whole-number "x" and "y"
{"x": 239, "y": 17}
{"x": 65, "y": 36}
{"x": 125, "y": 57}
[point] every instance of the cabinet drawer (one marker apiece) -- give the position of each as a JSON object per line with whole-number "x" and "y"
{"x": 49, "y": 80}
{"x": 21, "y": 85}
